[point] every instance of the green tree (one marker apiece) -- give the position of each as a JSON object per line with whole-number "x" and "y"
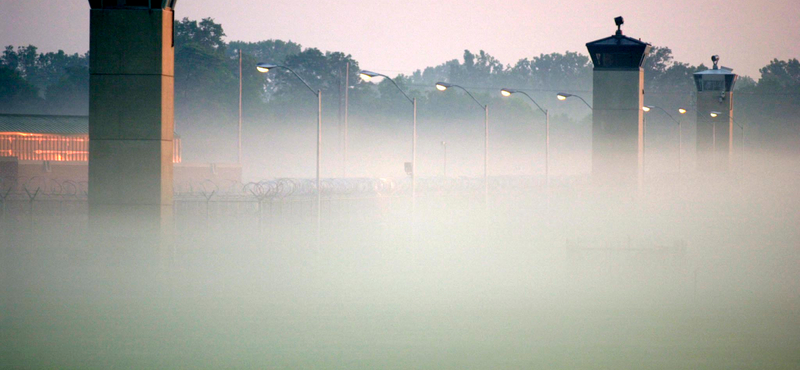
{"x": 556, "y": 71}
{"x": 70, "y": 95}
{"x": 322, "y": 71}
{"x": 206, "y": 33}
{"x": 42, "y": 70}
{"x": 205, "y": 81}
{"x": 16, "y": 94}
{"x": 780, "y": 76}
{"x": 271, "y": 51}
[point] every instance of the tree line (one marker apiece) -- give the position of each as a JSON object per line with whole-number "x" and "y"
{"x": 206, "y": 80}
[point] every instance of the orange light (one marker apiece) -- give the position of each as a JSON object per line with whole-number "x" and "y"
{"x": 68, "y": 152}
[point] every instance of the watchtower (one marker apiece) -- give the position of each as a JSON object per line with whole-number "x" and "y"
{"x": 715, "y": 117}
{"x": 617, "y": 131}
{"x": 131, "y": 114}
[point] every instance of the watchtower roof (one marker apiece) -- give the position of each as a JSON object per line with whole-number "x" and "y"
{"x": 132, "y": 4}
{"x": 618, "y": 50}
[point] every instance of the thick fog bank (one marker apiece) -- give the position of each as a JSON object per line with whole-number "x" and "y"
{"x": 690, "y": 271}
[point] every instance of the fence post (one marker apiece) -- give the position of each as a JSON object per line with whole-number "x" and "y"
{"x": 208, "y": 200}
{"x": 3, "y": 198}
{"x": 30, "y": 202}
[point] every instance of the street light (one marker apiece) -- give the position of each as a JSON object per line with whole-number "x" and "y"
{"x": 444, "y": 160}
{"x": 563, "y": 96}
{"x": 682, "y": 111}
{"x": 680, "y": 131}
{"x": 442, "y": 86}
{"x": 741, "y": 164}
{"x": 367, "y": 76}
{"x": 509, "y": 92}
{"x": 714, "y": 139}
{"x": 264, "y": 68}
{"x": 644, "y": 139}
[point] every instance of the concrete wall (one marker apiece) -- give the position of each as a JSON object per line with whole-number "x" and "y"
{"x": 131, "y": 115}
{"x": 617, "y": 141}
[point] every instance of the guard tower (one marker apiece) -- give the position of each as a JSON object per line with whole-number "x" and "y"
{"x": 131, "y": 115}
{"x": 715, "y": 134}
{"x": 617, "y": 131}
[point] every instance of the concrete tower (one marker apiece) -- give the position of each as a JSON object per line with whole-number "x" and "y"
{"x": 715, "y": 134}
{"x": 131, "y": 115}
{"x": 617, "y": 131}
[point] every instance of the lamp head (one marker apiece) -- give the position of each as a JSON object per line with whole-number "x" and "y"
{"x": 507, "y": 92}
{"x": 265, "y": 67}
{"x": 714, "y": 114}
{"x": 563, "y": 96}
{"x": 682, "y": 110}
{"x": 367, "y": 75}
{"x": 442, "y": 86}
{"x": 646, "y": 108}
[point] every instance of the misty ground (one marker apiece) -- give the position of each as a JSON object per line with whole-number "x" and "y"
{"x": 693, "y": 272}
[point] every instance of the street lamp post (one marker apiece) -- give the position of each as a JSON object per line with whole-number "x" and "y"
{"x": 239, "y": 140}
{"x": 714, "y": 140}
{"x": 444, "y": 161}
{"x": 264, "y": 68}
{"x": 368, "y": 75}
{"x": 680, "y": 131}
{"x": 442, "y": 86}
{"x": 682, "y": 111}
{"x": 644, "y": 138}
{"x": 507, "y": 93}
{"x": 741, "y": 127}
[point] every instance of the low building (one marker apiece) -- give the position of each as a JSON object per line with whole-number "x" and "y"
{"x": 57, "y": 147}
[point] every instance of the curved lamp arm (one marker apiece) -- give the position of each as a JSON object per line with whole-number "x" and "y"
{"x": 371, "y": 74}
{"x": 715, "y": 114}
{"x": 445, "y": 86}
{"x": 565, "y": 95}
{"x": 662, "y": 109}
{"x": 265, "y": 67}
{"x": 511, "y": 91}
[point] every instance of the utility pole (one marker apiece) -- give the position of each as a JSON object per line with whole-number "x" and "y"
{"x": 239, "y": 141}
{"x": 346, "y": 102}
{"x": 444, "y": 162}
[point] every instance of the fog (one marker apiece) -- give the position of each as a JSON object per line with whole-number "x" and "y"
{"x": 697, "y": 270}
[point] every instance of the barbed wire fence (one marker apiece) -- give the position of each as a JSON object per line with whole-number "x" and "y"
{"x": 274, "y": 200}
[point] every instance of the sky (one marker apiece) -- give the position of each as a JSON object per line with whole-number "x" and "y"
{"x": 393, "y": 36}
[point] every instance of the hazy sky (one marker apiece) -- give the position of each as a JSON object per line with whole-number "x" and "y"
{"x": 400, "y": 36}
